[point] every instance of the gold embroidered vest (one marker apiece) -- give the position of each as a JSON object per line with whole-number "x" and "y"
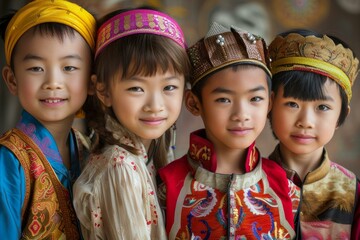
{"x": 47, "y": 212}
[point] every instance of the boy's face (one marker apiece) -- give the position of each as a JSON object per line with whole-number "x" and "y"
{"x": 305, "y": 126}
{"x": 234, "y": 107}
{"x": 50, "y": 76}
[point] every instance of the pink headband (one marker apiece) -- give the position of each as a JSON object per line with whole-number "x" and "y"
{"x": 139, "y": 21}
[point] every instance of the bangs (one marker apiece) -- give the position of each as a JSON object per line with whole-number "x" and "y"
{"x": 142, "y": 54}
{"x": 305, "y": 86}
{"x": 53, "y": 29}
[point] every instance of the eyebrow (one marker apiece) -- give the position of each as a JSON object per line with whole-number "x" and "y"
{"x": 35, "y": 57}
{"x": 229, "y": 91}
{"x": 140, "y": 79}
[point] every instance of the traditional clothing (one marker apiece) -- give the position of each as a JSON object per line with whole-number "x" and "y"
{"x": 35, "y": 185}
{"x": 329, "y": 207}
{"x": 203, "y": 204}
{"x": 115, "y": 196}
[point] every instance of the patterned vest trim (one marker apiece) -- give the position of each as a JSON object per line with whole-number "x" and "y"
{"x": 51, "y": 215}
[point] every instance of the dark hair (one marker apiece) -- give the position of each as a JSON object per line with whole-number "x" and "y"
{"x": 135, "y": 54}
{"x": 308, "y": 86}
{"x": 197, "y": 89}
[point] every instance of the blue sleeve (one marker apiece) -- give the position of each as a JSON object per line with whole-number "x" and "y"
{"x": 12, "y": 194}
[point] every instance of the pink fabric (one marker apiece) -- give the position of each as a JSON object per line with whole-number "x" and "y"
{"x": 138, "y": 21}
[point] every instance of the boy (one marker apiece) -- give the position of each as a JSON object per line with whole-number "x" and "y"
{"x": 48, "y": 50}
{"x": 223, "y": 189}
{"x": 313, "y": 75}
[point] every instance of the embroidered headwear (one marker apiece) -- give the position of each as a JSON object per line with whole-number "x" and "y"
{"x": 44, "y": 11}
{"x": 315, "y": 54}
{"x": 222, "y": 47}
{"x": 138, "y": 21}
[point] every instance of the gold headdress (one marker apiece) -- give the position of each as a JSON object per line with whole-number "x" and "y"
{"x": 222, "y": 47}
{"x": 43, "y": 11}
{"x": 315, "y": 54}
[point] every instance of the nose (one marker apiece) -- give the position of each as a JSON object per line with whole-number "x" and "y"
{"x": 239, "y": 112}
{"x": 53, "y": 80}
{"x": 306, "y": 119}
{"x": 155, "y": 102}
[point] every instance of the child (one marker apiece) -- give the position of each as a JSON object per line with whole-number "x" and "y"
{"x": 313, "y": 75}
{"x": 48, "y": 50}
{"x": 140, "y": 66}
{"x": 222, "y": 188}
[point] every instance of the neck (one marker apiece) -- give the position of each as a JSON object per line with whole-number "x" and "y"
{"x": 301, "y": 163}
{"x": 231, "y": 161}
{"x": 60, "y": 133}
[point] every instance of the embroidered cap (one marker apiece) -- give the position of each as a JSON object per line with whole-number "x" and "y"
{"x": 315, "y": 54}
{"x": 222, "y": 47}
{"x": 138, "y": 21}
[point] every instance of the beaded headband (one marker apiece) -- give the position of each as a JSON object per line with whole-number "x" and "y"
{"x": 45, "y": 11}
{"x": 314, "y": 54}
{"x": 138, "y": 21}
{"x": 222, "y": 47}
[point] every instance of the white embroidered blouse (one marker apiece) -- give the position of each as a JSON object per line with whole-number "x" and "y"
{"x": 115, "y": 197}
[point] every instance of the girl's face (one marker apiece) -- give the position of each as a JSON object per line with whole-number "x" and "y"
{"x": 234, "y": 107}
{"x": 50, "y": 76}
{"x": 303, "y": 127}
{"x": 146, "y": 106}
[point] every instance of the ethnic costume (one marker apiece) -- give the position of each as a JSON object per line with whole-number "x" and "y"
{"x": 329, "y": 205}
{"x": 35, "y": 200}
{"x": 107, "y": 213}
{"x": 203, "y": 204}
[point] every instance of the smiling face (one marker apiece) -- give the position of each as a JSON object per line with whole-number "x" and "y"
{"x": 304, "y": 127}
{"x": 234, "y": 106}
{"x": 50, "y": 75}
{"x": 146, "y": 105}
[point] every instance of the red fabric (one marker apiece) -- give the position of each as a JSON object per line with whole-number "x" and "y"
{"x": 173, "y": 175}
{"x": 277, "y": 179}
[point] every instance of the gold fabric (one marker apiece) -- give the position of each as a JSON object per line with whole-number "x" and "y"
{"x": 314, "y": 54}
{"x": 47, "y": 211}
{"x": 43, "y": 11}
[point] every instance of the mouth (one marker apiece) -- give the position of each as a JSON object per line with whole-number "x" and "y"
{"x": 153, "y": 121}
{"x": 240, "y": 130}
{"x": 302, "y": 138}
{"x": 53, "y": 101}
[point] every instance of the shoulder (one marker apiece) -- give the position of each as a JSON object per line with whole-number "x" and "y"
{"x": 341, "y": 170}
{"x": 113, "y": 160}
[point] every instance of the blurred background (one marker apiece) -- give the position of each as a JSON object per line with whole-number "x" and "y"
{"x": 263, "y": 17}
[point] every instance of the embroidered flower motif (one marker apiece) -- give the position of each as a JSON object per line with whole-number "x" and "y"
{"x": 119, "y": 156}
{"x": 96, "y": 217}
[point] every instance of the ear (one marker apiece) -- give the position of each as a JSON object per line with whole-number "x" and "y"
{"x": 192, "y": 103}
{"x": 103, "y": 94}
{"x": 92, "y": 85}
{"x": 10, "y": 80}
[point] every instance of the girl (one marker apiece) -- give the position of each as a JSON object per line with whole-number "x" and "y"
{"x": 140, "y": 66}
{"x": 313, "y": 75}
